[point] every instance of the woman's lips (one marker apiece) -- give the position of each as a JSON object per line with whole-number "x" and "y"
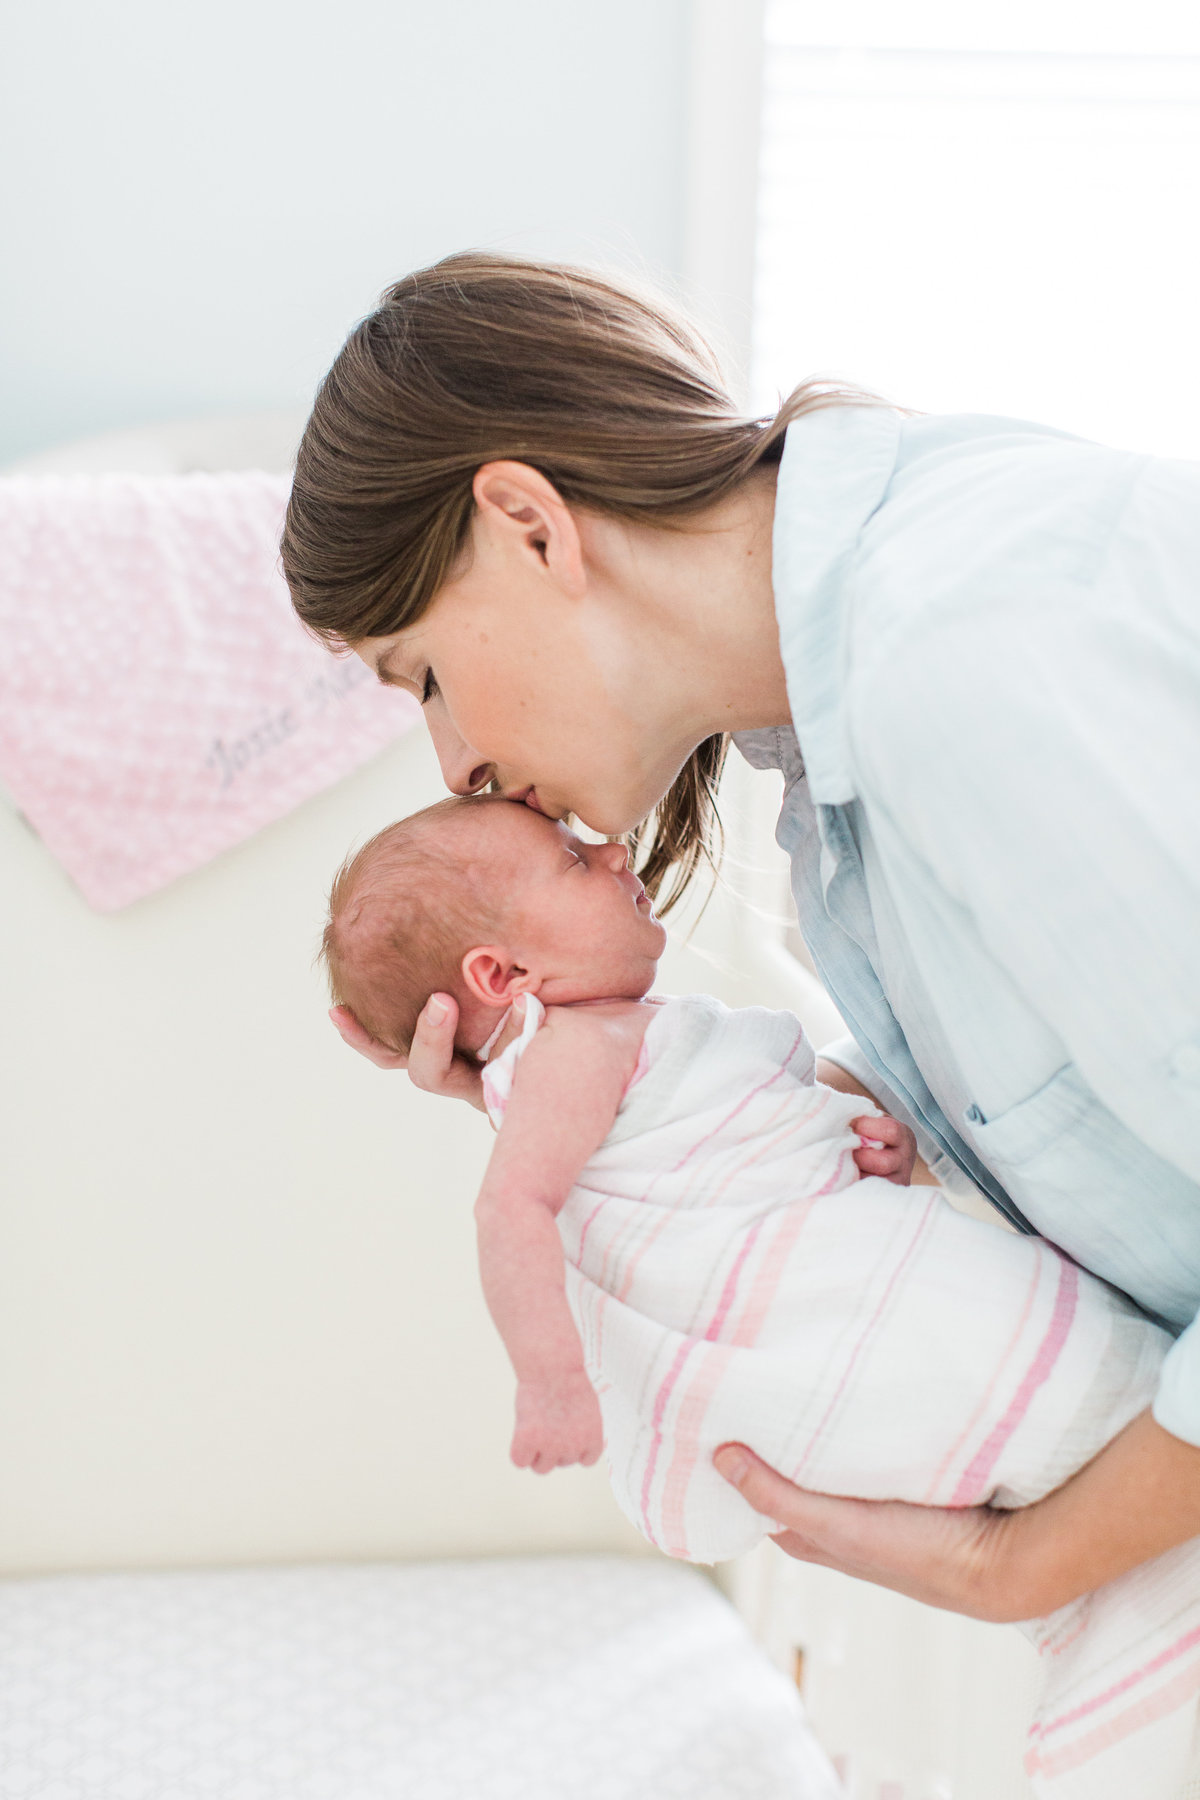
{"x": 526, "y": 796}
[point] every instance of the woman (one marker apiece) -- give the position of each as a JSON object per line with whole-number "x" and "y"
{"x": 972, "y": 648}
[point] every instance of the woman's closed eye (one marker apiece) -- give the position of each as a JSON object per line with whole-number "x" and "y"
{"x": 429, "y": 688}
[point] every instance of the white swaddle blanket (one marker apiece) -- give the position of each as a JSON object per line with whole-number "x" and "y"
{"x": 733, "y": 1278}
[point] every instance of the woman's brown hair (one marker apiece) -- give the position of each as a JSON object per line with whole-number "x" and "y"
{"x": 613, "y": 396}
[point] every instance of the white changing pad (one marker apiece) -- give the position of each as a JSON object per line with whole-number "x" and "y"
{"x": 535, "y": 1678}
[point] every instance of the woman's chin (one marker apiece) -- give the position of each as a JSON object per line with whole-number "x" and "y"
{"x": 611, "y": 819}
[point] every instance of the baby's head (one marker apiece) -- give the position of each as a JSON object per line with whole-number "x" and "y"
{"x": 484, "y": 899}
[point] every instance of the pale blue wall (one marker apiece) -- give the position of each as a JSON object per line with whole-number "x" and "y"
{"x": 199, "y": 199}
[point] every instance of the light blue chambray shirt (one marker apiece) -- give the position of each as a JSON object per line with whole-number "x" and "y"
{"x": 991, "y": 636}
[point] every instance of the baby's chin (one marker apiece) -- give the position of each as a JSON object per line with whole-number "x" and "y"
{"x": 627, "y": 985}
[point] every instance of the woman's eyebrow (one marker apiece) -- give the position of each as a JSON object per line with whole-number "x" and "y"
{"x": 387, "y": 676}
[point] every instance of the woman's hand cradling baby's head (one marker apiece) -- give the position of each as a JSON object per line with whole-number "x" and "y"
{"x": 360, "y": 1039}
{"x": 431, "y": 1064}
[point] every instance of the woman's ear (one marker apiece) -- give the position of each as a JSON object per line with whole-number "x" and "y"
{"x": 528, "y": 515}
{"x": 492, "y": 977}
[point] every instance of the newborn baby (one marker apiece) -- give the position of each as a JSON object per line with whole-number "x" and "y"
{"x": 686, "y": 1160}
{"x": 549, "y": 946}
{"x": 673, "y": 1220}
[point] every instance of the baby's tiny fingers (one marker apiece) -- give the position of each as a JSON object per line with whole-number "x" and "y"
{"x": 879, "y": 1127}
{"x": 874, "y": 1157}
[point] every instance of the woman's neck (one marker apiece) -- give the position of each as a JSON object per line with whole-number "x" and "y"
{"x": 701, "y": 604}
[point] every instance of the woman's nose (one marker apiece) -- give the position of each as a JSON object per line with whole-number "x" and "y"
{"x": 464, "y": 771}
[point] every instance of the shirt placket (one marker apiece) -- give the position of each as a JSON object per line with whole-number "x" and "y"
{"x": 834, "y": 912}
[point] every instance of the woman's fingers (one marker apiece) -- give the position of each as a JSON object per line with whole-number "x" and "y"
{"x": 943, "y": 1557}
{"x": 358, "y": 1038}
{"x": 432, "y": 1063}
{"x": 803, "y": 1517}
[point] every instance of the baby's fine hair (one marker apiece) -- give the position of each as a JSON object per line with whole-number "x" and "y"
{"x": 403, "y": 912}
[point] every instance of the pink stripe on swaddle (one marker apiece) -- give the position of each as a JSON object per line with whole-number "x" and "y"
{"x": 1147, "y": 1709}
{"x": 1190, "y": 1640}
{"x": 159, "y": 700}
{"x": 694, "y": 1150}
{"x": 987, "y": 1394}
{"x": 970, "y": 1490}
{"x": 866, "y": 1335}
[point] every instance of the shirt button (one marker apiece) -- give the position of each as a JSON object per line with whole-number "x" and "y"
{"x": 1186, "y": 1062}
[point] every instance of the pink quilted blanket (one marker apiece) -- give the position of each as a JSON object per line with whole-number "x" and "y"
{"x": 159, "y": 701}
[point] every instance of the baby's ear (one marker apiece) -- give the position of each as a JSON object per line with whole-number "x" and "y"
{"x": 491, "y": 976}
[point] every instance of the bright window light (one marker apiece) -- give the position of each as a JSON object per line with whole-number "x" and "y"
{"x": 986, "y": 214}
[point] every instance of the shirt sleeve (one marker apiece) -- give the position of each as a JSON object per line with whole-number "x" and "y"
{"x": 1037, "y": 747}
{"x": 1177, "y": 1403}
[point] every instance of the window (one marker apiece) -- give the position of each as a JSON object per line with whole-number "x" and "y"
{"x": 986, "y": 214}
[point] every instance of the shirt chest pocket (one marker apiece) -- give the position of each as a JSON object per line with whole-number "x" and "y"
{"x": 1086, "y": 1182}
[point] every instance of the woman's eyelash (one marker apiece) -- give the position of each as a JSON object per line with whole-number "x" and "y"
{"x": 429, "y": 688}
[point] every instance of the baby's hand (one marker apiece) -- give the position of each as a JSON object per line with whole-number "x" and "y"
{"x": 888, "y": 1148}
{"x": 558, "y": 1423}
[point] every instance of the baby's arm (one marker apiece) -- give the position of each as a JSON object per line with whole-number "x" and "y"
{"x": 565, "y": 1097}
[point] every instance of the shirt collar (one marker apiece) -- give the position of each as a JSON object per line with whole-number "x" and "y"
{"x": 834, "y": 472}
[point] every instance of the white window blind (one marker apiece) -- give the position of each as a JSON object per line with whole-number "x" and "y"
{"x": 986, "y": 214}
